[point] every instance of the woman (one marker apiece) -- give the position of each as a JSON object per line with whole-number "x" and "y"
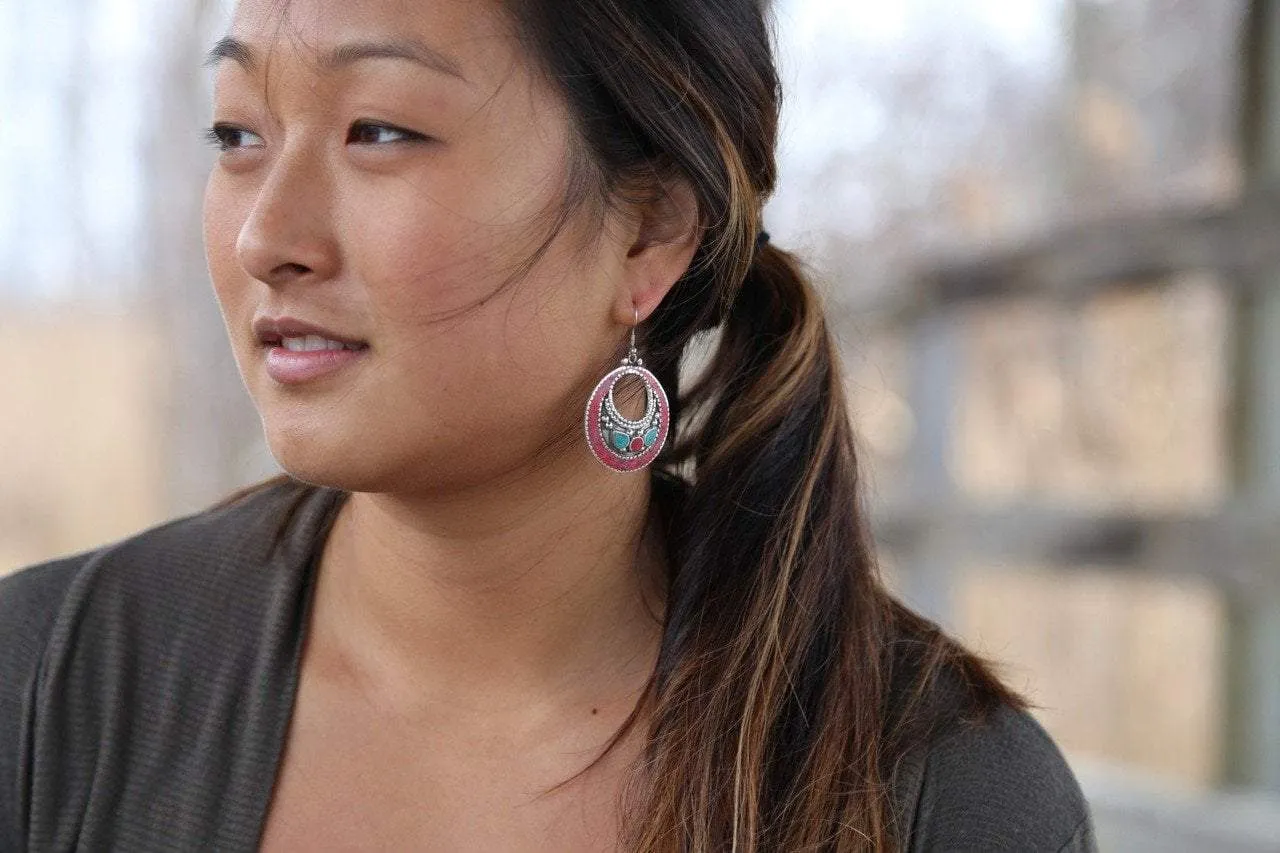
{"x": 518, "y": 589}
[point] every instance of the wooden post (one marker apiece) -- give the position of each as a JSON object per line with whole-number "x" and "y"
{"x": 1253, "y": 630}
{"x": 1253, "y": 627}
{"x": 935, "y": 374}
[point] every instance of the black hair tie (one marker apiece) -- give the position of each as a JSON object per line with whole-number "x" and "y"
{"x": 761, "y": 239}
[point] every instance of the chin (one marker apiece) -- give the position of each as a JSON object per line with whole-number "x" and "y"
{"x": 315, "y": 451}
{"x": 333, "y": 473}
{"x": 353, "y": 460}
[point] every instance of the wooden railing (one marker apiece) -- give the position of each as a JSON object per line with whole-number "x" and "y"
{"x": 930, "y": 527}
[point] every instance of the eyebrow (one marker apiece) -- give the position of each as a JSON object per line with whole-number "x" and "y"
{"x": 345, "y": 55}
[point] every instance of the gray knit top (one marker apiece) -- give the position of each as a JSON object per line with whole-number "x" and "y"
{"x": 146, "y": 688}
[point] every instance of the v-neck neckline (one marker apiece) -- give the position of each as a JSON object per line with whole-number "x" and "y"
{"x": 313, "y": 522}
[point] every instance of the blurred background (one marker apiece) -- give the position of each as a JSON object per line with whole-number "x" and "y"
{"x": 1049, "y": 236}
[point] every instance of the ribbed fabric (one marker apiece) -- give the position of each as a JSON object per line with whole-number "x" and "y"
{"x": 1002, "y": 786}
{"x": 154, "y": 681}
{"x": 146, "y": 689}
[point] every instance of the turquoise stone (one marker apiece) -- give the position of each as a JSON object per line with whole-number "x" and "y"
{"x": 650, "y": 437}
{"x": 621, "y": 440}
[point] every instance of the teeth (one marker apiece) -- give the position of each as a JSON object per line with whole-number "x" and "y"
{"x": 314, "y": 343}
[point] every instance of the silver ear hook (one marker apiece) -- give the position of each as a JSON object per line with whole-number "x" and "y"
{"x": 633, "y": 357}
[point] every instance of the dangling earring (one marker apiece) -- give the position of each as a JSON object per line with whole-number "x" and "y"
{"x": 618, "y": 442}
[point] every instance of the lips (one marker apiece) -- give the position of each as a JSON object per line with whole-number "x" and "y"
{"x": 288, "y": 367}
{"x": 271, "y": 331}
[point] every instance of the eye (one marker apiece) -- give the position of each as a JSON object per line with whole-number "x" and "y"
{"x": 369, "y": 133}
{"x": 226, "y": 137}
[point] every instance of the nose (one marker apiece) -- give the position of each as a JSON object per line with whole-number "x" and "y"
{"x": 289, "y": 232}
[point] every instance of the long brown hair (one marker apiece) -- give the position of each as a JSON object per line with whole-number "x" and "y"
{"x": 789, "y": 682}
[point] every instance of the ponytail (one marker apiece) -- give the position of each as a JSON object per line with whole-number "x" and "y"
{"x": 775, "y": 716}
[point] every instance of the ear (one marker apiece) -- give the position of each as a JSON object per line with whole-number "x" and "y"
{"x": 665, "y": 238}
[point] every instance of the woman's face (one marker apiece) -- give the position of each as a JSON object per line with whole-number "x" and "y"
{"x": 387, "y": 201}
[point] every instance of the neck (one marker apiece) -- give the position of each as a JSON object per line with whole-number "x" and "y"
{"x": 541, "y": 589}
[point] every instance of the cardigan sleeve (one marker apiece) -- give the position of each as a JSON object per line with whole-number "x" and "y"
{"x": 29, "y": 601}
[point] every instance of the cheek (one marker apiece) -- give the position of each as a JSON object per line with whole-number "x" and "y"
{"x": 454, "y": 330}
{"x": 221, "y": 224}
{"x": 465, "y": 361}
{"x": 463, "y": 221}
{"x": 443, "y": 241}
{"x": 421, "y": 268}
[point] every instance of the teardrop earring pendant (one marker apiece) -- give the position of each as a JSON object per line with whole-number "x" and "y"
{"x": 617, "y": 441}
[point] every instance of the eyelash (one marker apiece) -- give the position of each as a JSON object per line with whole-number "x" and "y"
{"x": 218, "y": 133}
